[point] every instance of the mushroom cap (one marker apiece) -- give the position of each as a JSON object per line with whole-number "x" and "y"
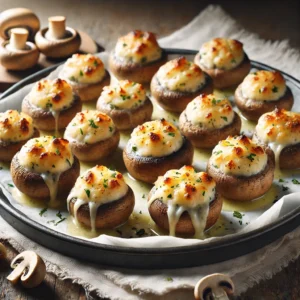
{"x": 29, "y": 267}
{"x": 2, "y": 251}
{"x": 13, "y": 59}
{"x": 214, "y": 286}
{"x": 60, "y": 48}
{"x": 18, "y": 17}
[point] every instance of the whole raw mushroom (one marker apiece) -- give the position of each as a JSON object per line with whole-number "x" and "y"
{"x": 28, "y": 267}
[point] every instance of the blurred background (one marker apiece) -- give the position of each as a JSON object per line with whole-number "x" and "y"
{"x": 105, "y": 21}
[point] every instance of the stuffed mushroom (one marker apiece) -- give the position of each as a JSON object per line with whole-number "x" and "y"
{"x": 242, "y": 169}
{"x": 261, "y": 92}
{"x": 209, "y": 119}
{"x": 280, "y": 130}
{"x": 136, "y": 57}
{"x": 86, "y": 74}
{"x": 51, "y": 104}
{"x": 92, "y": 135}
{"x": 15, "y": 130}
{"x": 185, "y": 202}
{"x": 177, "y": 83}
{"x": 154, "y": 148}
{"x": 225, "y": 61}
{"x": 126, "y": 103}
{"x": 101, "y": 199}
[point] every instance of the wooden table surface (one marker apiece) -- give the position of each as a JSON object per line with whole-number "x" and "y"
{"x": 274, "y": 20}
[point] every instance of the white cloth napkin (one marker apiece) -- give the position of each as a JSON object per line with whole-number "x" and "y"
{"x": 166, "y": 284}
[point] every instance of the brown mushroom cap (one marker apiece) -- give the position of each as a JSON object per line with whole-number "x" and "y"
{"x": 33, "y": 185}
{"x": 90, "y": 92}
{"x": 149, "y": 168}
{"x": 141, "y": 73}
{"x": 61, "y": 48}
{"x": 109, "y": 215}
{"x": 129, "y": 118}
{"x": 227, "y": 78}
{"x": 21, "y": 18}
{"x": 44, "y": 120}
{"x": 96, "y": 151}
{"x": 244, "y": 188}
{"x": 289, "y": 157}
{"x": 177, "y": 101}
{"x": 9, "y": 149}
{"x": 253, "y": 109}
{"x": 204, "y": 138}
{"x": 159, "y": 213}
{"x": 29, "y": 267}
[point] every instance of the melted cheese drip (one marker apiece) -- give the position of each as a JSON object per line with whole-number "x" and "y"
{"x": 155, "y": 138}
{"x": 138, "y": 47}
{"x": 239, "y": 156}
{"x": 95, "y": 187}
{"x": 181, "y": 75}
{"x": 209, "y": 112}
{"x": 264, "y": 86}
{"x": 83, "y": 68}
{"x": 185, "y": 190}
{"x": 89, "y": 127}
{"x": 222, "y": 54}
{"x": 279, "y": 129}
{"x": 49, "y": 157}
{"x": 15, "y": 126}
{"x": 52, "y": 95}
{"x": 123, "y": 94}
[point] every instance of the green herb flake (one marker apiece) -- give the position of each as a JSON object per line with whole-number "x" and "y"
{"x": 61, "y": 220}
{"x": 203, "y": 193}
{"x": 284, "y": 188}
{"x": 237, "y": 214}
{"x": 170, "y": 279}
{"x": 140, "y": 232}
{"x": 144, "y": 196}
{"x": 275, "y": 89}
{"x": 68, "y": 162}
{"x": 81, "y": 73}
{"x": 110, "y": 129}
{"x": 10, "y": 185}
{"x": 59, "y": 215}
{"x": 144, "y": 59}
{"x": 224, "y": 118}
{"x": 88, "y": 192}
{"x": 281, "y": 180}
{"x": 72, "y": 78}
{"x": 124, "y": 44}
{"x": 57, "y": 151}
{"x": 171, "y": 134}
{"x": 96, "y": 63}
{"x": 42, "y": 211}
{"x": 92, "y": 124}
{"x": 251, "y": 156}
{"x": 233, "y": 61}
{"x": 81, "y": 131}
{"x": 134, "y": 149}
{"x": 170, "y": 196}
{"x": 295, "y": 181}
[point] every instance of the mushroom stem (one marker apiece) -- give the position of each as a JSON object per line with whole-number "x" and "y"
{"x": 18, "y": 38}
{"x": 57, "y": 27}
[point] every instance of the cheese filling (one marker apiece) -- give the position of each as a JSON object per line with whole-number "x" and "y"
{"x": 89, "y": 127}
{"x": 209, "y": 112}
{"x": 279, "y": 129}
{"x": 219, "y": 53}
{"x": 185, "y": 190}
{"x": 95, "y": 187}
{"x": 123, "y": 94}
{"x": 49, "y": 157}
{"x": 15, "y": 126}
{"x": 263, "y": 86}
{"x": 83, "y": 68}
{"x": 155, "y": 138}
{"x": 239, "y": 156}
{"x": 181, "y": 75}
{"x": 138, "y": 47}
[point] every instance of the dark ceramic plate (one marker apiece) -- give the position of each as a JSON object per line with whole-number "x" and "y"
{"x": 149, "y": 258}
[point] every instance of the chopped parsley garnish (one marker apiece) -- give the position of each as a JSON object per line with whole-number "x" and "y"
{"x": 105, "y": 183}
{"x": 110, "y": 129}
{"x": 170, "y": 196}
{"x": 95, "y": 63}
{"x": 170, "y": 279}
{"x": 72, "y": 78}
{"x": 57, "y": 151}
{"x": 295, "y": 181}
{"x": 61, "y": 220}
{"x": 281, "y": 180}
{"x": 92, "y": 123}
{"x": 144, "y": 59}
{"x": 224, "y": 118}
{"x": 88, "y": 192}
{"x": 275, "y": 89}
{"x": 203, "y": 193}
{"x": 171, "y": 134}
{"x": 42, "y": 211}
{"x": 251, "y": 156}
{"x": 10, "y": 185}
{"x": 144, "y": 196}
{"x": 134, "y": 148}
{"x": 48, "y": 105}
{"x": 233, "y": 61}
{"x": 124, "y": 97}
{"x": 140, "y": 232}
{"x": 59, "y": 215}
{"x": 68, "y": 162}
{"x": 217, "y": 152}
{"x": 81, "y": 131}
{"x": 284, "y": 188}
{"x": 237, "y": 214}
{"x": 81, "y": 73}
{"x": 124, "y": 44}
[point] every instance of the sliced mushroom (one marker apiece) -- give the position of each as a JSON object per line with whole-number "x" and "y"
{"x": 2, "y": 251}
{"x": 28, "y": 267}
{"x": 213, "y": 287}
